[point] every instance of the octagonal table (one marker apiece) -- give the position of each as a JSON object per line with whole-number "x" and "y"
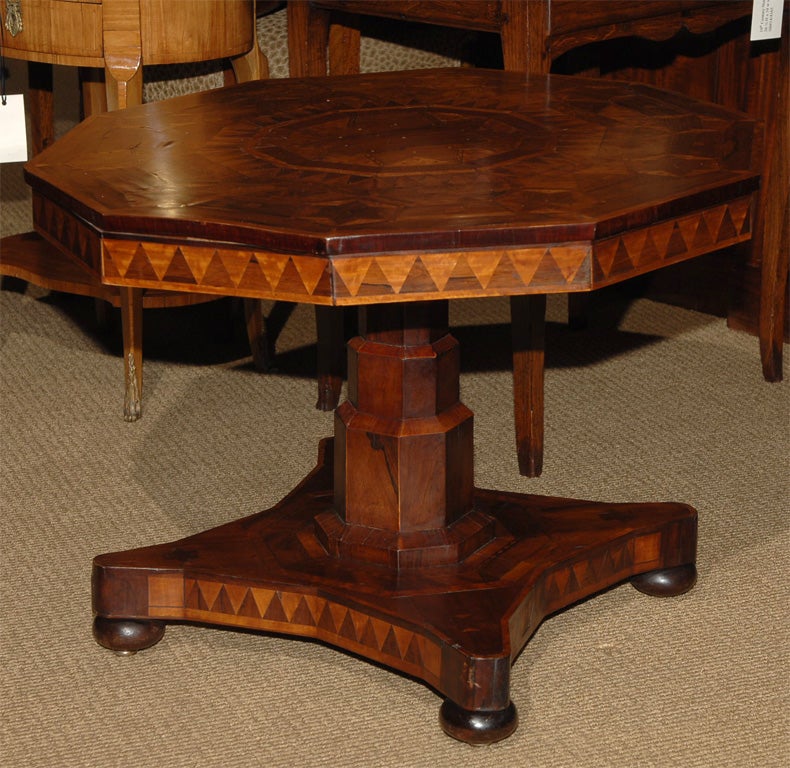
{"x": 397, "y": 192}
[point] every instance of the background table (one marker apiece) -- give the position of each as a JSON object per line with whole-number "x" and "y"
{"x": 697, "y": 47}
{"x": 397, "y": 192}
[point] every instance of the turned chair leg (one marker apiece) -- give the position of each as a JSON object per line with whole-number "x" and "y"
{"x": 528, "y": 329}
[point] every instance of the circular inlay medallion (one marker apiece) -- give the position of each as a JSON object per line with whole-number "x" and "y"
{"x": 400, "y": 140}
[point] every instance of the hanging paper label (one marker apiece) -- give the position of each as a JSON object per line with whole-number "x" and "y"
{"x": 13, "y": 136}
{"x": 766, "y": 19}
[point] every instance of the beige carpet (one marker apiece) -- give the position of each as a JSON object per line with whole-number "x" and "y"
{"x": 667, "y": 404}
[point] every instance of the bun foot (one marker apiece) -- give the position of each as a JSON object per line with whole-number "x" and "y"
{"x": 477, "y": 727}
{"x": 126, "y": 636}
{"x": 667, "y": 582}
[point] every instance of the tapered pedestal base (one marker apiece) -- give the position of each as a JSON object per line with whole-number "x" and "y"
{"x": 458, "y": 627}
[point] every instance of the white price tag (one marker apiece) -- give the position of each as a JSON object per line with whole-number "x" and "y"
{"x": 13, "y": 137}
{"x": 766, "y": 19}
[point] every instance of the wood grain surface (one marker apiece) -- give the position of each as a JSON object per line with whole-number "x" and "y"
{"x": 313, "y": 181}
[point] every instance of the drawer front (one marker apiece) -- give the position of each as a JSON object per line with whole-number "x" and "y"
{"x": 198, "y": 30}
{"x": 57, "y": 32}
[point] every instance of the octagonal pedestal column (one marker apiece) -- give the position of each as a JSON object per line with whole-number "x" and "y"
{"x": 404, "y": 450}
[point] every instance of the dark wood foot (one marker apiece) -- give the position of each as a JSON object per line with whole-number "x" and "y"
{"x": 477, "y": 727}
{"x": 126, "y": 636}
{"x": 667, "y": 582}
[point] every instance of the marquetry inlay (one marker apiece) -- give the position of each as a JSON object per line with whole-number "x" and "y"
{"x": 279, "y": 610}
{"x": 363, "y": 279}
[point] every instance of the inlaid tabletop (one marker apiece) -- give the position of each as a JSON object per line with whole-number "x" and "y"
{"x": 379, "y": 188}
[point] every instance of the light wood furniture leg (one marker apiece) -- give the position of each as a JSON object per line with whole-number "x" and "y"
{"x": 132, "y": 324}
{"x": 253, "y": 65}
{"x": 124, "y": 88}
{"x": 123, "y": 78}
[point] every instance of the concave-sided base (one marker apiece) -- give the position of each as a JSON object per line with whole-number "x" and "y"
{"x": 457, "y": 627}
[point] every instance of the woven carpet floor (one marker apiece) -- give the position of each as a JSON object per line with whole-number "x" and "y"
{"x": 661, "y": 404}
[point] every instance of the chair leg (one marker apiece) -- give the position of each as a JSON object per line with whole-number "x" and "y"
{"x": 253, "y": 65}
{"x": 41, "y": 101}
{"x": 308, "y": 37}
{"x": 344, "y": 45}
{"x": 132, "y": 325}
{"x": 528, "y": 329}
{"x": 774, "y": 301}
{"x": 331, "y": 355}
{"x": 260, "y": 346}
{"x": 772, "y": 219}
{"x": 263, "y": 330}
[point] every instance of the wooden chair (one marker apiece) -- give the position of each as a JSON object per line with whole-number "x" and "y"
{"x": 110, "y": 41}
{"x": 575, "y": 37}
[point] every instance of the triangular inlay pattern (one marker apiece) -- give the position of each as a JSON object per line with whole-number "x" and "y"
{"x": 307, "y": 614}
{"x": 366, "y": 278}
{"x": 673, "y": 240}
{"x": 178, "y": 270}
{"x": 396, "y": 269}
{"x": 140, "y": 267}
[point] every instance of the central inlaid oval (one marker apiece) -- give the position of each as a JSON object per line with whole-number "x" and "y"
{"x": 400, "y": 140}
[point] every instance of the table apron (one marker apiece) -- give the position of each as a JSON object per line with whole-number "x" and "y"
{"x": 204, "y": 267}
